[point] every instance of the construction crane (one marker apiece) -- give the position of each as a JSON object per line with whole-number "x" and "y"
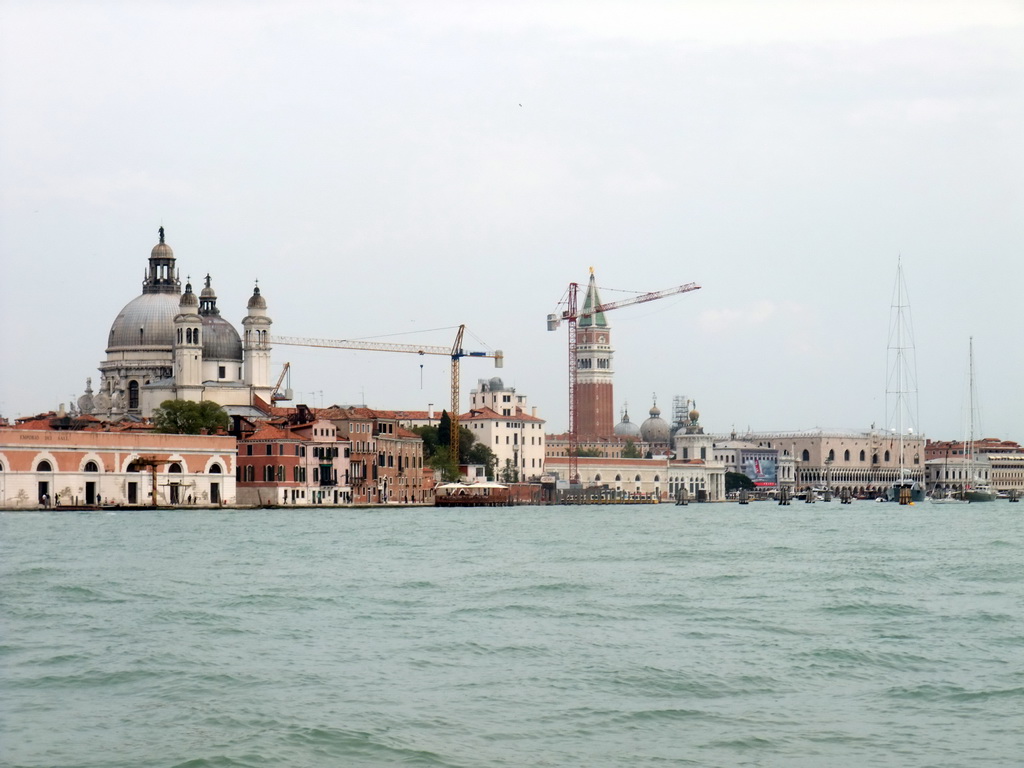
{"x": 456, "y": 353}
{"x": 571, "y": 314}
{"x": 276, "y": 394}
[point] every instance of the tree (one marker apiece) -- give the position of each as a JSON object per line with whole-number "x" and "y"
{"x": 630, "y": 451}
{"x": 186, "y": 417}
{"x": 481, "y": 454}
{"x": 734, "y": 481}
{"x": 589, "y": 452}
{"x": 430, "y": 440}
{"x": 444, "y": 430}
{"x": 437, "y": 449}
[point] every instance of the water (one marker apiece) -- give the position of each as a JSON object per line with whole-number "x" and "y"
{"x": 707, "y": 635}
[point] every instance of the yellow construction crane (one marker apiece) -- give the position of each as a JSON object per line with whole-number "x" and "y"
{"x": 456, "y": 353}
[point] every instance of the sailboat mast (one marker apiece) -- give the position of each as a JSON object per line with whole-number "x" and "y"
{"x": 970, "y": 405}
{"x": 902, "y": 377}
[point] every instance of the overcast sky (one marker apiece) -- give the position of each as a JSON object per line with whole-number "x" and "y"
{"x": 394, "y": 168}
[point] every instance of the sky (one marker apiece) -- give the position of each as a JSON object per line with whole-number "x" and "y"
{"x": 390, "y": 170}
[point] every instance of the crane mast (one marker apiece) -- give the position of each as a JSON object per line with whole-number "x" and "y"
{"x": 455, "y": 352}
{"x": 571, "y": 315}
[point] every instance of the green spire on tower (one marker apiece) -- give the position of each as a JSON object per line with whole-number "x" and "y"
{"x": 592, "y": 300}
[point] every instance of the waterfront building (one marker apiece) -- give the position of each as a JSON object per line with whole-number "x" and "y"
{"x": 864, "y": 463}
{"x": 768, "y": 468}
{"x": 1007, "y": 473}
{"x": 297, "y": 462}
{"x": 498, "y": 418}
{"x": 386, "y": 459}
{"x": 85, "y": 463}
{"x": 695, "y": 469}
{"x": 166, "y": 344}
{"x": 947, "y": 475}
{"x": 989, "y": 446}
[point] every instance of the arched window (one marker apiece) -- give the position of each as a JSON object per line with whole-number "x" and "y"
{"x": 215, "y": 469}
{"x": 268, "y": 473}
{"x": 657, "y": 478}
{"x": 637, "y": 478}
{"x": 618, "y": 478}
{"x": 831, "y": 454}
{"x": 597, "y": 478}
{"x": 862, "y": 455}
{"x": 133, "y": 394}
{"x": 175, "y": 468}
{"x": 90, "y": 466}
{"x": 806, "y": 455}
{"x": 44, "y": 466}
{"x": 846, "y": 455}
{"x": 887, "y": 456}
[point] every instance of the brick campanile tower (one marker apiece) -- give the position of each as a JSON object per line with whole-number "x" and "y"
{"x": 595, "y": 417}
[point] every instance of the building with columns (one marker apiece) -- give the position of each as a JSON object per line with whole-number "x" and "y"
{"x": 166, "y": 344}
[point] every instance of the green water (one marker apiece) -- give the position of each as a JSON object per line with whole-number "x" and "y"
{"x": 706, "y": 635}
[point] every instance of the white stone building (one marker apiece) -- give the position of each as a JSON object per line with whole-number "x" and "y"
{"x": 498, "y": 418}
{"x": 169, "y": 345}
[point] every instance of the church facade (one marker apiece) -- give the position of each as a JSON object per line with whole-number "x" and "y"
{"x": 166, "y": 344}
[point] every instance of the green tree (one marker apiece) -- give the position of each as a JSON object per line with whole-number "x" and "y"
{"x": 186, "y": 417}
{"x": 430, "y": 440}
{"x": 443, "y": 465}
{"x": 734, "y": 481}
{"x": 630, "y": 451}
{"x": 444, "y": 430}
{"x": 481, "y": 454}
{"x": 589, "y": 452}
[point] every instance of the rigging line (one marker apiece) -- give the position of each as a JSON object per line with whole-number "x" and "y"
{"x": 400, "y": 333}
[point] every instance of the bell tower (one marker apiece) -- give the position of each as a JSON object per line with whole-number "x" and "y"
{"x": 256, "y": 346}
{"x": 596, "y": 415}
{"x": 188, "y": 347}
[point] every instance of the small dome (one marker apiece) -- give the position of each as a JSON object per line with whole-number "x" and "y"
{"x": 256, "y": 301}
{"x": 161, "y": 251}
{"x": 188, "y": 299}
{"x": 154, "y": 314}
{"x": 220, "y": 340}
{"x": 208, "y": 292}
{"x": 694, "y": 415}
{"x": 497, "y": 385}
{"x": 627, "y": 428}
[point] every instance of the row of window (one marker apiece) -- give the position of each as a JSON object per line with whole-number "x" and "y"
{"x": 91, "y": 466}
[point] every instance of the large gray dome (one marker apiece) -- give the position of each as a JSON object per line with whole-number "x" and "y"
{"x": 220, "y": 340}
{"x": 655, "y": 429}
{"x": 154, "y": 314}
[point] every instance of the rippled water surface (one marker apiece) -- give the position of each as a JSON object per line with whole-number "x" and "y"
{"x": 707, "y": 635}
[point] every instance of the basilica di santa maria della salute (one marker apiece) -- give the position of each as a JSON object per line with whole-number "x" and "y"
{"x": 172, "y": 345}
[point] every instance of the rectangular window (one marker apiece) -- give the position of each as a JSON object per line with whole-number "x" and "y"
{"x": 221, "y": 372}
